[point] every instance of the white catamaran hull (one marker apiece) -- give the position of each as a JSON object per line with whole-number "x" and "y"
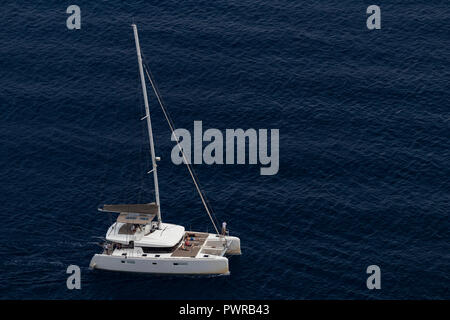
{"x": 206, "y": 258}
{"x": 216, "y": 265}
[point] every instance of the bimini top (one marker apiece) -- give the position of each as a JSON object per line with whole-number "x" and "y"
{"x": 133, "y": 213}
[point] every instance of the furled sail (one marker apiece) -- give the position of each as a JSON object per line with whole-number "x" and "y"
{"x": 146, "y": 208}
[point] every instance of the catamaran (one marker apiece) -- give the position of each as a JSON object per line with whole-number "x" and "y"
{"x": 137, "y": 242}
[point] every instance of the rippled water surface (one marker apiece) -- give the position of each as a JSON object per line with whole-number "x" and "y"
{"x": 364, "y": 143}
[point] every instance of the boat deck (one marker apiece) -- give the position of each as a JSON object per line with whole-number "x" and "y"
{"x": 195, "y": 245}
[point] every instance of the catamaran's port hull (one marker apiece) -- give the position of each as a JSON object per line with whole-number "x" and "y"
{"x": 214, "y": 265}
{"x": 204, "y": 256}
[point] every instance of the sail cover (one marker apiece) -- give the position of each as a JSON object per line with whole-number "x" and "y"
{"x": 146, "y": 208}
{"x": 133, "y": 213}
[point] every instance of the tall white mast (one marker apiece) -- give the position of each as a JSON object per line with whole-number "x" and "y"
{"x": 149, "y": 123}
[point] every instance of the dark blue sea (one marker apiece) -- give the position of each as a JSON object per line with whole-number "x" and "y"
{"x": 364, "y": 120}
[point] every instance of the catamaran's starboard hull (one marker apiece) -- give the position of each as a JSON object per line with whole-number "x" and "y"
{"x": 215, "y": 265}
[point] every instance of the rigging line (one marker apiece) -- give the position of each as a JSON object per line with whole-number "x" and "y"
{"x": 210, "y": 206}
{"x": 192, "y": 168}
{"x": 142, "y": 154}
{"x": 182, "y": 152}
{"x": 169, "y": 119}
{"x": 173, "y": 125}
{"x": 193, "y": 176}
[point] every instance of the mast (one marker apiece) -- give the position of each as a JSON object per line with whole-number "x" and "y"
{"x": 149, "y": 123}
